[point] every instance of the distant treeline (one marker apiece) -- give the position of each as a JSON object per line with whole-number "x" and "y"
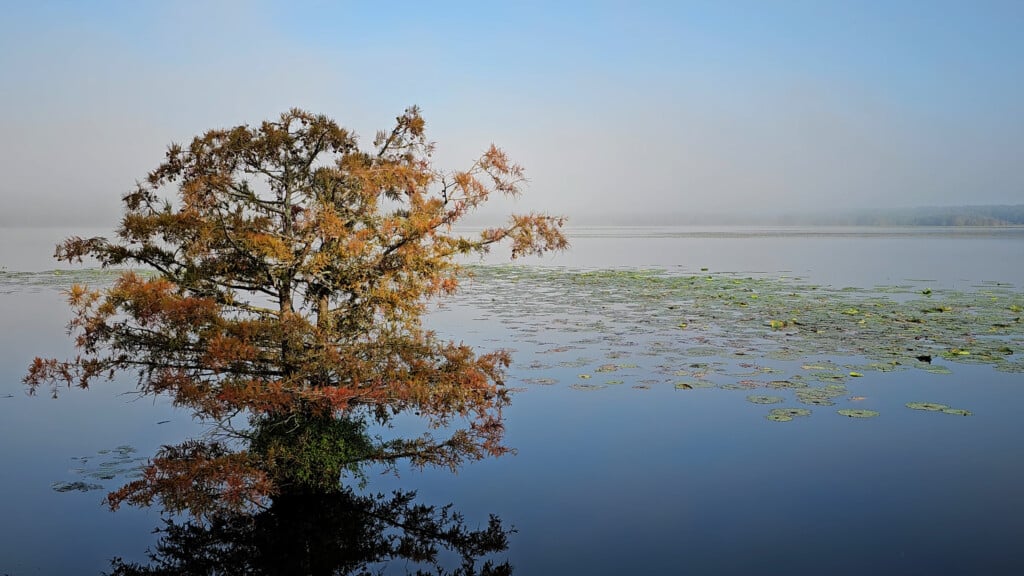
{"x": 1007, "y": 215}
{"x": 993, "y": 215}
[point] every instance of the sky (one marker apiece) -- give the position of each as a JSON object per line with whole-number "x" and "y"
{"x": 615, "y": 109}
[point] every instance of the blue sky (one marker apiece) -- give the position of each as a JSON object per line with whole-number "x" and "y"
{"x": 612, "y": 107}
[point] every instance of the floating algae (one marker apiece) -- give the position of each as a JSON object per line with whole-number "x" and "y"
{"x": 857, "y": 413}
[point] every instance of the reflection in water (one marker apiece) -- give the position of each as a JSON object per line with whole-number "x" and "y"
{"x": 339, "y": 533}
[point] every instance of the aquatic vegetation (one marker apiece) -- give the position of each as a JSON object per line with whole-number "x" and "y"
{"x": 742, "y": 332}
{"x": 541, "y": 381}
{"x": 693, "y": 385}
{"x": 957, "y": 411}
{"x": 13, "y": 282}
{"x": 787, "y": 414}
{"x": 76, "y": 486}
{"x": 587, "y": 387}
{"x": 113, "y": 463}
{"x": 758, "y": 399}
{"x": 791, "y": 383}
{"x": 857, "y": 413}
{"x": 927, "y": 406}
{"x": 746, "y": 328}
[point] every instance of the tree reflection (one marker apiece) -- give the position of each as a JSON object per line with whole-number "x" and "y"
{"x": 338, "y": 533}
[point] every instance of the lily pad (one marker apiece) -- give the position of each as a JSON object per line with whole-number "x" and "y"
{"x": 957, "y": 411}
{"x": 778, "y": 384}
{"x": 927, "y": 406}
{"x": 587, "y": 387}
{"x": 791, "y": 412}
{"x": 857, "y": 413}
{"x": 693, "y": 385}
{"x": 758, "y": 399}
{"x": 77, "y": 486}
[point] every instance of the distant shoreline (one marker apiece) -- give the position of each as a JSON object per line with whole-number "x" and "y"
{"x": 926, "y": 216}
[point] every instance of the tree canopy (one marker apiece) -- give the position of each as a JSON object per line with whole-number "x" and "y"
{"x": 289, "y": 272}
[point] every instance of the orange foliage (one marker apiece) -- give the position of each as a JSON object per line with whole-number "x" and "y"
{"x": 291, "y": 273}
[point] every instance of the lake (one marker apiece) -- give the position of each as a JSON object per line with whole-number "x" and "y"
{"x": 648, "y": 364}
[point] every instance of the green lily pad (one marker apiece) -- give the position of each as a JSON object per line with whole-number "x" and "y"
{"x": 758, "y": 399}
{"x": 587, "y": 387}
{"x": 857, "y": 413}
{"x": 693, "y": 385}
{"x": 77, "y": 486}
{"x": 779, "y": 384}
{"x": 792, "y": 412}
{"x": 957, "y": 411}
{"x": 928, "y": 406}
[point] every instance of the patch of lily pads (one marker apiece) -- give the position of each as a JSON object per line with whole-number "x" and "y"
{"x": 787, "y": 414}
{"x": 12, "y": 282}
{"x": 935, "y": 407}
{"x": 106, "y": 464}
{"x": 762, "y": 399}
{"x": 75, "y": 486}
{"x": 740, "y": 332}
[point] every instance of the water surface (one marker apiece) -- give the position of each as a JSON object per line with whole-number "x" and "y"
{"x": 636, "y": 477}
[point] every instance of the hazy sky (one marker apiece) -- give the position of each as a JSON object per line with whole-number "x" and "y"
{"x": 612, "y": 107}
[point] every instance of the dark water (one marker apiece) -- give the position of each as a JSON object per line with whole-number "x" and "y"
{"x": 620, "y": 479}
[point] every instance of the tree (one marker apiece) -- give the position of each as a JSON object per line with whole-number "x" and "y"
{"x": 290, "y": 274}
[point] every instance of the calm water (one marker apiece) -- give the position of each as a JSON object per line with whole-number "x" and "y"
{"x": 618, "y": 480}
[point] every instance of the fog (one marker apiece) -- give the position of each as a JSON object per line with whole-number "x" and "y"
{"x": 710, "y": 109}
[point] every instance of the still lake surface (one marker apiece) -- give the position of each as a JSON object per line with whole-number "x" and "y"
{"x": 616, "y": 479}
